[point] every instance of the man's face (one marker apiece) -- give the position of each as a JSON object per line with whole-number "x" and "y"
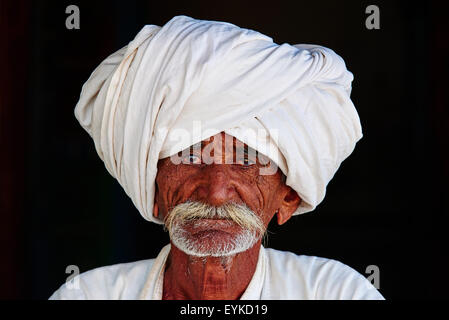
{"x": 223, "y": 171}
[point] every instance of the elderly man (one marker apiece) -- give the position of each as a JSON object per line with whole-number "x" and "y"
{"x": 214, "y": 130}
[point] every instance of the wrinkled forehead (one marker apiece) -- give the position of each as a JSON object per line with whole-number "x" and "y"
{"x": 222, "y": 144}
{"x": 252, "y": 140}
{"x": 224, "y": 148}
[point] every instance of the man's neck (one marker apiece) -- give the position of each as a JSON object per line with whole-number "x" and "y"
{"x": 206, "y": 278}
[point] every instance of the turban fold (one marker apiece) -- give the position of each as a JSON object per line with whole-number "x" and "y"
{"x": 227, "y": 79}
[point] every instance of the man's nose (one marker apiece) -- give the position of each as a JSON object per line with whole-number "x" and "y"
{"x": 219, "y": 187}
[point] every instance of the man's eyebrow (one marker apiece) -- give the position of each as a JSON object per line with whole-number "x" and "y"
{"x": 239, "y": 147}
{"x": 197, "y": 146}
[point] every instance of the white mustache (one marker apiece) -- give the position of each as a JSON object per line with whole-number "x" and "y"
{"x": 193, "y": 210}
{"x": 252, "y": 228}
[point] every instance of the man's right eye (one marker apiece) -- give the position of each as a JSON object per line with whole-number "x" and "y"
{"x": 191, "y": 159}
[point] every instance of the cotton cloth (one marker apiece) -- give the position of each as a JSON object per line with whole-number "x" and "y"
{"x": 278, "y": 275}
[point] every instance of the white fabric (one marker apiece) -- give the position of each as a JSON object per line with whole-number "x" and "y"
{"x": 278, "y": 275}
{"x": 227, "y": 79}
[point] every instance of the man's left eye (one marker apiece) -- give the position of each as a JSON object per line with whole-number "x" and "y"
{"x": 191, "y": 159}
{"x": 246, "y": 162}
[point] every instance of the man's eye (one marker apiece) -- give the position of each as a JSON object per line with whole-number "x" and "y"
{"x": 246, "y": 162}
{"x": 191, "y": 159}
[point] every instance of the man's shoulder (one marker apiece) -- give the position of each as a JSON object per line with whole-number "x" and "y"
{"x": 312, "y": 277}
{"x": 290, "y": 260}
{"x": 117, "y": 281}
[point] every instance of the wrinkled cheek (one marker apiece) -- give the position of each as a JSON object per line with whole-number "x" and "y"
{"x": 162, "y": 199}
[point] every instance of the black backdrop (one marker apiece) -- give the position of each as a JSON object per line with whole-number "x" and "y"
{"x": 384, "y": 207}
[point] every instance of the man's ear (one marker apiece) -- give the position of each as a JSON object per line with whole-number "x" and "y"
{"x": 155, "y": 210}
{"x": 289, "y": 205}
{"x": 155, "y": 205}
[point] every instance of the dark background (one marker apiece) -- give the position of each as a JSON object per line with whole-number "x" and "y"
{"x": 386, "y": 205}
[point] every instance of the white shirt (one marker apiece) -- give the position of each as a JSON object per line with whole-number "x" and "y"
{"x": 278, "y": 275}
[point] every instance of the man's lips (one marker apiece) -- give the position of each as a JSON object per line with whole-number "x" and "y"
{"x": 211, "y": 225}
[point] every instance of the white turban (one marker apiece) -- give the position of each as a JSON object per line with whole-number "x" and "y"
{"x": 227, "y": 79}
